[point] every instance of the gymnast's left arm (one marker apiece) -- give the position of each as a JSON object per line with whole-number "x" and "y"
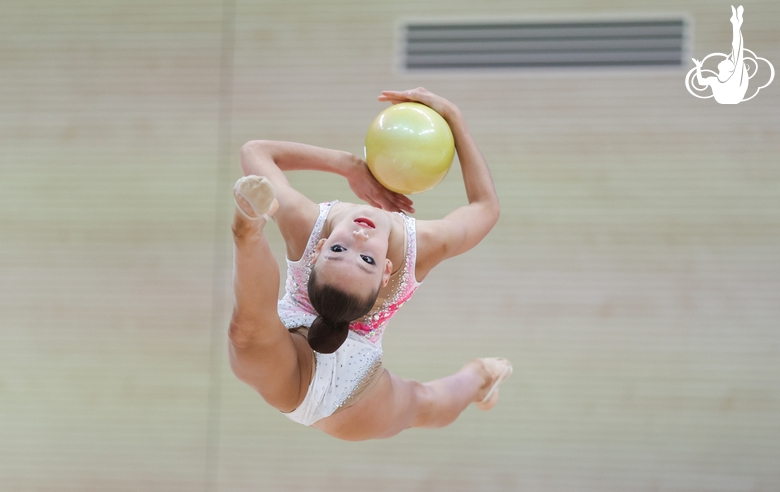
{"x": 466, "y": 226}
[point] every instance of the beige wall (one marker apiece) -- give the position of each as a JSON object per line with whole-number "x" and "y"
{"x": 633, "y": 277}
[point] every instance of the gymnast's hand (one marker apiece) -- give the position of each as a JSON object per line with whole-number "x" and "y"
{"x": 422, "y": 96}
{"x": 367, "y": 188}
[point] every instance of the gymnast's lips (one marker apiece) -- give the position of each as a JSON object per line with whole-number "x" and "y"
{"x": 364, "y": 222}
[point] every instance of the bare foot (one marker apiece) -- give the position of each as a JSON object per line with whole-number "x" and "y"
{"x": 255, "y": 197}
{"x": 498, "y": 369}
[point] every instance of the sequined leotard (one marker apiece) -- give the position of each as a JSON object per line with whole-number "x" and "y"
{"x": 338, "y": 375}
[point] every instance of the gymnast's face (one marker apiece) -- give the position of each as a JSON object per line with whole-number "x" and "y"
{"x": 354, "y": 256}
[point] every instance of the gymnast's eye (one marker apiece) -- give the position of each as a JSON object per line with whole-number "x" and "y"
{"x": 368, "y": 259}
{"x": 337, "y": 248}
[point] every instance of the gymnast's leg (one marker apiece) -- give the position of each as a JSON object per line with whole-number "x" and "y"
{"x": 263, "y": 353}
{"x": 395, "y": 404}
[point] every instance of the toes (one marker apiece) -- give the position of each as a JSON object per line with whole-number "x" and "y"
{"x": 244, "y": 206}
{"x": 497, "y": 365}
{"x": 499, "y": 369}
{"x": 258, "y": 193}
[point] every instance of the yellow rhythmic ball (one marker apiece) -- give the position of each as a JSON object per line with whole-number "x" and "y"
{"x": 409, "y": 148}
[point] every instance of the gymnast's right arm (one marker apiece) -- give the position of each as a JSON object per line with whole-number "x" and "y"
{"x": 269, "y": 158}
{"x": 297, "y": 214}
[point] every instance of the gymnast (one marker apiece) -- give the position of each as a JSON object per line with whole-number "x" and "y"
{"x": 315, "y": 355}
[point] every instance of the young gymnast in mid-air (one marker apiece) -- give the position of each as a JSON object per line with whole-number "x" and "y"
{"x": 316, "y": 353}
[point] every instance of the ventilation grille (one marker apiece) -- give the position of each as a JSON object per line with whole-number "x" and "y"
{"x": 619, "y": 43}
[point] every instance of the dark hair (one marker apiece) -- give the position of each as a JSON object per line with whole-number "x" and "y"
{"x": 336, "y": 309}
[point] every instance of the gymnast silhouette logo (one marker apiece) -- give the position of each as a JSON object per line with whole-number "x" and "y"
{"x": 735, "y": 70}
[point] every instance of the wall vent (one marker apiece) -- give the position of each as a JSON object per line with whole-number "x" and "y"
{"x": 545, "y": 44}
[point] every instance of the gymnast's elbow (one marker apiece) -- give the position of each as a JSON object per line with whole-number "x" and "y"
{"x": 490, "y": 212}
{"x": 251, "y": 151}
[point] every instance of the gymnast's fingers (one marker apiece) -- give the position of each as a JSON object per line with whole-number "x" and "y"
{"x": 402, "y": 202}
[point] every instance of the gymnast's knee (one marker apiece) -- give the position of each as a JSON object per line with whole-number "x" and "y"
{"x": 245, "y": 332}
